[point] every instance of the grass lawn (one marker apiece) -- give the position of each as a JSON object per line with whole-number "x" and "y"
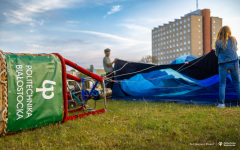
{"x": 137, "y": 125}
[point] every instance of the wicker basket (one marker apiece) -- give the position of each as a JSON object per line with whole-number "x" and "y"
{"x": 3, "y": 95}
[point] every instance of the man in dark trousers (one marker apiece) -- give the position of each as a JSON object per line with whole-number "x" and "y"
{"x": 108, "y": 67}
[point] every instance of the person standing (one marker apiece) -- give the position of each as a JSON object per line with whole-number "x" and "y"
{"x": 226, "y": 51}
{"x": 108, "y": 67}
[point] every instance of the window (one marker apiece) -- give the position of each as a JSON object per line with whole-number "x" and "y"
{"x": 184, "y": 20}
{"x": 176, "y": 29}
{"x": 167, "y": 32}
{"x": 214, "y": 33}
{"x": 181, "y": 44}
{"x": 177, "y": 44}
{"x": 170, "y": 36}
{"x": 199, "y": 47}
{"x": 177, "y": 34}
{"x": 180, "y": 22}
{"x": 184, "y": 31}
{"x": 180, "y": 38}
{"x": 188, "y": 53}
{"x": 199, "y": 19}
{"x": 177, "y": 24}
{"x": 180, "y": 28}
{"x": 214, "y": 27}
{"x": 214, "y": 21}
{"x": 184, "y": 26}
{"x": 177, "y": 49}
{"x": 188, "y": 25}
{"x": 180, "y": 33}
{"x": 199, "y": 42}
{"x": 170, "y": 31}
{"x": 173, "y": 25}
{"x": 189, "y": 36}
{"x": 173, "y": 35}
{"x": 184, "y": 43}
{"x": 188, "y": 30}
{"x": 170, "y": 26}
{"x": 188, "y": 42}
{"x": 199, "y": 25}
{"x": 184, "y": 37}
{"x": 163, "y": 33}
{"x": 177, "y": 39}
{"x": 188, "y": 47}
{"x": 188, "y": 19}
{"x": 180, "y": 49}
{"x": 199, "y": 31}
{"x": 173, "y": 30}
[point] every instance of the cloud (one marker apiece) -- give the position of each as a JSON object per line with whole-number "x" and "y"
{"x": 30, "y": 11}
{"x": 113, "y": 10}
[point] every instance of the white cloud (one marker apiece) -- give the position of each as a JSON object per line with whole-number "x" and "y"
{"x": 28, "y": 11}
{"x": 106, "y": 35}
{"x": 114, "y": 10}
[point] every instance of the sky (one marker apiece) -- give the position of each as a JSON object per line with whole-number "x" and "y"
{"x": 80, "y": 30}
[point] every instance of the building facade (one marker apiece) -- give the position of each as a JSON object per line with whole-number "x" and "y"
{"x": 193, "y": 34}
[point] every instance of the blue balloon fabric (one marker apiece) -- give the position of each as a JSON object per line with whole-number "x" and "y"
{"x": 196, "y": 82}
{"x": 183, "y": 59}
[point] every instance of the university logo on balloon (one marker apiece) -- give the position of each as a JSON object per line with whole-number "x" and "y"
{"x": 44, "y": 89}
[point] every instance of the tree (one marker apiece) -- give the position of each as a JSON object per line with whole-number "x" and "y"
{"x": 146, "y": 59}
{"x": 91, "y": 68}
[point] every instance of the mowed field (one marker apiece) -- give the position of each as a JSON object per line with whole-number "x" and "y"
{"x": 137, "y": 125}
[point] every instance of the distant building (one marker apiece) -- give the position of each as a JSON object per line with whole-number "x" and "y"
{"x": 193, "y": 34}
{"x": 99, "y": 71}
{"x": 74, "y": 73}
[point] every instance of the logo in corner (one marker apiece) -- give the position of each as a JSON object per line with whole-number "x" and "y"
{"x": 44, "y": 89}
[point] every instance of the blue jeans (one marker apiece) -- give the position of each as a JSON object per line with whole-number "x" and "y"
{"x": 233, "y": 67}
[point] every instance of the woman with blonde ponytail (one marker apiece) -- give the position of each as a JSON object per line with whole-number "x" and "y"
{"x": 226, "y": 51}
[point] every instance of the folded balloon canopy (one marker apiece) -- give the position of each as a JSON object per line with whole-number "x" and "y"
{"x": 183, "y": 59}
{"x": 196, "y": 82}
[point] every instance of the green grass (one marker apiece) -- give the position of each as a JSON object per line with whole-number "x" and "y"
{"x": 137, "y": 125}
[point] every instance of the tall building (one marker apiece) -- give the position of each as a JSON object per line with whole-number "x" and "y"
{"x": 193, "y": 34}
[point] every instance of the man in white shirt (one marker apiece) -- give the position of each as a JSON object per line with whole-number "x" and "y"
{"x": 108, "y": 67}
